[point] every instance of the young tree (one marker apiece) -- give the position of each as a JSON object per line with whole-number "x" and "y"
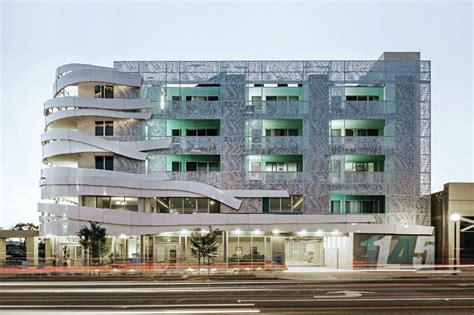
{"x": 204, "y": 244}
{"x": 94, "y": 240}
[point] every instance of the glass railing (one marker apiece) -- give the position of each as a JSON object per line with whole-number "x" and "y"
{"x": 358, "y": 177}
{"x": 369, "y": 107}
{"x": 188, "y": 109}
{"x": 198, "y": 145}
{"x": 211, "y": 178}
{"x": 276, "y": 145}
{"x": 275, "y": 177}
{"x": 362, "y": 144}
{"x": 276, "y": 107}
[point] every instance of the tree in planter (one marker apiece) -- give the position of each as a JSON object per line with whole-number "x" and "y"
{"x": 94, "y": 240}
{"x": 204, "y": 244}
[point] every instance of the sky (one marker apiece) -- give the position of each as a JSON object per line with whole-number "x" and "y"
{"x": 37, "y": 37}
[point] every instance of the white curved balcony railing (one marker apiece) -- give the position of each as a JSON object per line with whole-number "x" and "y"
{"x": 120, "y": 222}
{"x": 65, "y": 141}
{"x": 210, "y": 178}
{"x": 67, "y": 68}
{"x": 58, "y": 181}
{"x": 72, "y": 102}
{"x": 71, "y": 113}
{"x": 77, "y": 73}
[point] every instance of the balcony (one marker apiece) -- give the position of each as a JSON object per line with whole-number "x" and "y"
{"x": 276, "y": 177}
{"x": 196, "y": 145}
{"x": 188, "y": 110}
{"x": 277, "y": 109}
{"x": 358, "y": 177}
{"x": 275, "y": 145}
{"x": 361, "y": 145}
{"x": 361, "y": 109}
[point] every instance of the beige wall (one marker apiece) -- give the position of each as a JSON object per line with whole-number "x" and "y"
{"x": 86, "y": 90}
{"x": 86, "y": 125}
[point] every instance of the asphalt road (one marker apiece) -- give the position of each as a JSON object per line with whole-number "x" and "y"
{"x": 223, "y": 295}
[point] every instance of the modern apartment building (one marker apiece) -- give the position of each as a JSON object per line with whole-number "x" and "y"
{"x": 321, "y": 163}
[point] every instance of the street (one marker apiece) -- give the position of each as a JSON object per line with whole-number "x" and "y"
{"x": 270, "y": 294}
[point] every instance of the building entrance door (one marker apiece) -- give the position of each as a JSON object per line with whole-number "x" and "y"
{"x": 166, "y": 252}
{"x": 301, "y": 251}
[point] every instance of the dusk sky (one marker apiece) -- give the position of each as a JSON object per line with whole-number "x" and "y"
{"x": 37, "y": 37}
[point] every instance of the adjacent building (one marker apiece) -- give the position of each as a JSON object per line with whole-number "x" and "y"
{"x": 453, "y": 218}
{"x": 321, "y": 163}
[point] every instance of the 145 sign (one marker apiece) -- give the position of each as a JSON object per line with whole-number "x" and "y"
{"x": 380, "y": 250}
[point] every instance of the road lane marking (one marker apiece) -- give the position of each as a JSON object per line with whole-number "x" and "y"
{"x": 345, "y": 294}
{"x": 327, "y": 299}
{"x": 131, "y": 306}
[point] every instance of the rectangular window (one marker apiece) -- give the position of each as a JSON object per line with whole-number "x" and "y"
{"x": 281, "y": 167}
{"x": 202, "y": 132}
{"x": 103, "y": 202}
{"x": 372, "y": 132}
{"x": 292, "y": 204}
{"x": 104, "y": 128}
{"x": 191, "y": 166}
{"x": 176, "y": 166}
{"x": 176, "y": 98}
{"x": 271, "y": 98}
{"x": 176, "y": 205}
{"x": 213, "y": 166}
{"x": 274, "y": 204}
{"x": 335, "y": 206}
{"x": 362, "y": 97}
{"x": 104, "y": 91}
{"x": 88, "y": 201}
{"x": 163, "y": 205}
{"x": 191, "y": 132}
{"x": 176, "y": 132}
{"x": 285, "y": 204}
{"x": 201, "y": 98}
{"x": 214, "y": 206}
{"x": 109, "y": 163}
{"x": 189, "y": 205}
{"x": 212, "y": 132}
{"x": 202, "y": 166}
{"x": 293, "y": 132}
{"x": 104, "y": 162}
{"x": 293, "y": 98}
{"x": 336, "y": 132}
{"x": 202, "y": 205}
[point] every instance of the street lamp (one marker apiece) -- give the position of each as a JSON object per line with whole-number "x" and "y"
{"x": 455, "y": 218}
